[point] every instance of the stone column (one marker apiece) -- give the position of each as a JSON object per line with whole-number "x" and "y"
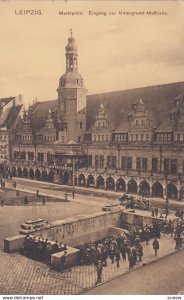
{"x": 138, "y": 189}
{"x": 178, "y": 196}
{"x": 105, "y": 184}
{"x": 126, "y": 187}
{"x": 95, "y": 179}
{"x": 164, "y": 193}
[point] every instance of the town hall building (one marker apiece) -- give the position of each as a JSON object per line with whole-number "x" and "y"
{"x": 130, "y": 141}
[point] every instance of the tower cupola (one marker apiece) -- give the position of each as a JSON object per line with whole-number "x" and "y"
{"x": 71, "y": 54}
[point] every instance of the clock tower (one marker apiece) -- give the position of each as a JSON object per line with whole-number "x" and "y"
{"x": 71, "y": 98}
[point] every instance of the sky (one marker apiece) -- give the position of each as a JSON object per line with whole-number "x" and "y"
{"x": 116, "y": 52}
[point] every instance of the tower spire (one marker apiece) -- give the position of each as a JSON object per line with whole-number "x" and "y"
{"x": 71, "y": 54}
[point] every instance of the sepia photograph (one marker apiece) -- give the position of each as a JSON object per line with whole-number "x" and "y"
{"x": 91, "y": 149}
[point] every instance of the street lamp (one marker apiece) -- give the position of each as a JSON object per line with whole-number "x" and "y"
{"x": 73, "y": 177}
{"x": 166, "y": 207}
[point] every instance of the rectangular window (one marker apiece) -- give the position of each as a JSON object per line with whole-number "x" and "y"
{"x": 30, "y": 155}
{"x": 129, "y": 163}
{"x": 89, "y": 160}
{"x": 123, "y": 162}
{"x": 178, "y": 137}
{"x": 114, "y": 162}
{"x": 138, "y": 163}
{"x": 96, "y": 161}
{"x": 154, "y": 164}
{"x": 16, "y": 155}
{"x": 23, "y": 155}
{"x": 81, "y": 125}
{"x": 40, "y": 156}
{"x": 50, "y": 158}
{"x": 166, "y": 164}
{"x": 144, "y": 164}
{"x": 101, "y": 161}
{"x": 173, "y": 165}
{"x": 109, "y": 161}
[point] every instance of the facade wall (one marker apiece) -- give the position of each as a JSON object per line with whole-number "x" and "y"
{"x": 110, "y": 173}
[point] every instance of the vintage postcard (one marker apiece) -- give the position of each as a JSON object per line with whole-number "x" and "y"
{"x": 91, "y": 148}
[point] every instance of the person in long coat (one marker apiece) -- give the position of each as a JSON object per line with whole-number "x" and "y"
{"x": 131, "y": 261}
{"x": 155, "y": 246}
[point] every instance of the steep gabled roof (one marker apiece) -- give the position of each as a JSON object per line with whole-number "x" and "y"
{"x": 9, "y": 118}
{"x": 167, "y": 125}
{"x": 158, "y": 100}
{"x": 39, "y": 113}
{"x": 5, "y": 101}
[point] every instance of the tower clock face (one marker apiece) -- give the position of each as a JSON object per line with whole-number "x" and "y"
{"x": 71, "y": 93}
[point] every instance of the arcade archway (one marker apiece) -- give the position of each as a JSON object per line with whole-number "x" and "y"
{"x": 172, "y": 192}
{"x": 144, "y": 189}
{"x": 25, "y": 173}
{"x": 37, "y": 174}
{"x": 81, "y": 180}
{"x": 110, "y": 184}
{"x": 44, "y": 175}
{"x": 19, "y": 172}
{"x": 14, "y": 173}
{"x": 121, "y": 185}
{"x": 182, "y": 193}
{"x": 51, "y": 176}
{"x": 66, "y": 177}
{"x": 132, "y": 186}
{"x": 31, "y": 174}
{"x": 90, "y": 180}
{"x": 157, "y": 190}
{"x": 100, "y": 182}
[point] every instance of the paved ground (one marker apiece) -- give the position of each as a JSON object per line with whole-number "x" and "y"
{"x": 164, "y": 277}
{"x": 12, "y": 216}
{"x": 110, "y": 194}
{"x": 20, "y": 275}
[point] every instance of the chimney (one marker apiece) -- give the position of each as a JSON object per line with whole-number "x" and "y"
{"x": 20, "y": 99}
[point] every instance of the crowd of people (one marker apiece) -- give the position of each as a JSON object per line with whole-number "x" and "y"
{"x": 179, "y": 213}
{"x": 132, "y": 203}
{"x": 125, "y": 246}
{"x": 128, "y": 246}
{"x": 40, "y": 248}
{"x": 178, "y": 235}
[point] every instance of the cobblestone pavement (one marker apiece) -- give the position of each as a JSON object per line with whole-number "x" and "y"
{"x": 20, "y": 275}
